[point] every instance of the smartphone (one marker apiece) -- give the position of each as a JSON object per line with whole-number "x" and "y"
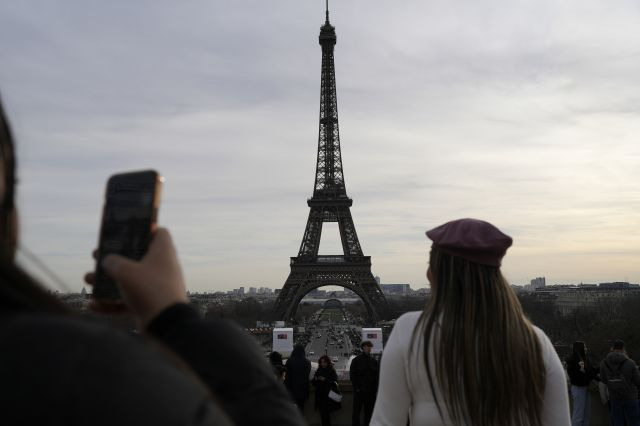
{"x": 128, "y": 221}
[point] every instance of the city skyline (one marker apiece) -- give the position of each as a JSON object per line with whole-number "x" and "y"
{"x": 520, "y": 114}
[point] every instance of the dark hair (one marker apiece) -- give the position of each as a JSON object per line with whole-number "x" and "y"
{"x": 18, "y": 290}
{"x": 326, "y": 358}
{"x": 579, "y": 350}
{"x": 275, "y": 358}
{"x": 474, "y": 326}
{"x": 366, "y": 343}
{"x": 618, "y": 345}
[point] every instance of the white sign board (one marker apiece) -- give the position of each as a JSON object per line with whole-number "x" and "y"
{"x": 374, "y": 335}
{"x": 283, "y": 340}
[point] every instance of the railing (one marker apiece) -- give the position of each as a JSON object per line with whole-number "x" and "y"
{"x": 331, "y": 258}
{"x": 364, "y": 260}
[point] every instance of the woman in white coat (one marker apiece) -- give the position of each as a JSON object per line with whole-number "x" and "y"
{"x": 471, "y": 357}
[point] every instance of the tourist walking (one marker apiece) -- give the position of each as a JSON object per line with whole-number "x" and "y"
{"x": 471, "y": 357}
{"x": 620, "y": 374}
{"x": 324, "y": 380}
{"x": 298, "y": 369}
{"x": 581, "y": 373}
{"x": 364, "y": 374}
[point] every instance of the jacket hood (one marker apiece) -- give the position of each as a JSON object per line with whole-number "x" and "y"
{"x": 615, "y": 358}
{"x": 298, "y": 351}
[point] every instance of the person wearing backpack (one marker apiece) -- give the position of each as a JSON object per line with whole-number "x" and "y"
{"x": 620, "y": 374}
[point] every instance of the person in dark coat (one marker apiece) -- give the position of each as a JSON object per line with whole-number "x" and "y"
{"x": 60, "y": 369}
{"x": 298, "y": 369}
{"x": 581, "y": 373}
{"x": 620, "y": 374}
{"x": 364, "y": 374}
{"x": 324, "y": 380}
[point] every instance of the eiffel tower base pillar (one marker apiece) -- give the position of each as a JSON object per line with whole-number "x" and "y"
{"x": 353, "y": 273}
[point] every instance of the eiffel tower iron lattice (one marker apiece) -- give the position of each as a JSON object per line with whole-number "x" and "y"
{"x": 330, "y": 203}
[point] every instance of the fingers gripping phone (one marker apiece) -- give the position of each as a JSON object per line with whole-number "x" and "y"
{"x": 128, "y": 222}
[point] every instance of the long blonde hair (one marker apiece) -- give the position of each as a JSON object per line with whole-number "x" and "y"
{"x": 487, "y": 358}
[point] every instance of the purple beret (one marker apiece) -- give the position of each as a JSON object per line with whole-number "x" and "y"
{"x": 471, "y": 239}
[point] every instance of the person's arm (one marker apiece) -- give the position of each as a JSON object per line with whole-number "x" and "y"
{"x": 603, "y": 372}
{"x": 229, "y": 362}
{"x": 225, "y": 358}
{"x": 394, "y": 398}
{"x": 555, "y": 408}
{"x": 635, "y": 375}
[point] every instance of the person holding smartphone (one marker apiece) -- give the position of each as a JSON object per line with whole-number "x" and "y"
{"x": 57, "y": 368}
{"x": 581, "y": 373}
{"x": 324, "y": 379}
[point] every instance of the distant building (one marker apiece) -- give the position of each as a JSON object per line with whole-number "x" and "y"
{"x": 333, "y": 304}
{"x": 396, "y": 289}
{"x": 377, "y": 279}
{"x": 617, "y": 285}
{"x": 537, "y": 283}
{"x": 568, "y": 298}
{"x": 424, "y": 291}
{"x": 252, "y": 290}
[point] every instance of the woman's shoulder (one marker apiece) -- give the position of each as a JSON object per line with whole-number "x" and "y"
{"x": 542, "y": 337}
{"x": 94, "y": 364}
{"x": 548, "y": 351}
{"x": 408, "y": 320}
{"x": 404, "y": 326}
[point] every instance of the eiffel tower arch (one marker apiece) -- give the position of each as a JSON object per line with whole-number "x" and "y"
{"x": 330, "y": 203}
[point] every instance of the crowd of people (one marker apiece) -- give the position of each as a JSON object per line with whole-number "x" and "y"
{"x": 618, "y": 383}
{"x": 471, "y": 357}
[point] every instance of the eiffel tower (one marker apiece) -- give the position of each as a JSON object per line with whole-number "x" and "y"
{"x": 330, "y": 203}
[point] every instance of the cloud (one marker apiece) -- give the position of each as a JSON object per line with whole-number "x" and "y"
{"x": 522, "y": 113}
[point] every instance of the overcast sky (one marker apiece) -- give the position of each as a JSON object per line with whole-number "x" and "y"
{"x": 522, "y": 113}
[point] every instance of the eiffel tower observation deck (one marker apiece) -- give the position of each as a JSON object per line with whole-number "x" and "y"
{"x": 330, "y": 203}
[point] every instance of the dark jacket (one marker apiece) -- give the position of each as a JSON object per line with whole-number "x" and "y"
{"x": 364, "y": 373}
{"x": 63, "y": 370}
{"x": 576, "y": 375}
{"x": 324, "y": 386}
{"x": 297, "y": 379}
{"x": 66, "y": 370}
{"x": 617, "y": 363}
{"x": 231, "y": 363}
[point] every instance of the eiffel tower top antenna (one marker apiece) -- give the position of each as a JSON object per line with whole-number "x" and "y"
{"x": 327, "y": 11}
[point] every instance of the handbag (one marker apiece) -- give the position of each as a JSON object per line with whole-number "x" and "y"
{"x": 335, "y": 395}
{"x": 335, "y": 398}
